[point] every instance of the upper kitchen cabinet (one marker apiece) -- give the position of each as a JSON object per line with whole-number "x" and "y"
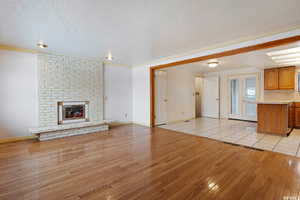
{"x": 287, "y": 78}
{"x": 271, "y": 79}
{"x": 280, "y": 78}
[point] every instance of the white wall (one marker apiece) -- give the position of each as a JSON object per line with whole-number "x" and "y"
{"x": 117, "y": 93}
{"x": 141, "y": 74}
{"x": 19, "y": 94}
{"x": 141, "y": 95}
{"x": 181, "y": 99}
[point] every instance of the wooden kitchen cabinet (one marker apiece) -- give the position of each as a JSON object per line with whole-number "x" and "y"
{"x": 273, "y": 118}
{"x": 297, "y": 117}
{"x": 271, "y": 79}
{"x": 276, "y": 118}
{"x": 282, "y": 78}
{"x": 286, "y": 78}
{"x": 291, "y": 115}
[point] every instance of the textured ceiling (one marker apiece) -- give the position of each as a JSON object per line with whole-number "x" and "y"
{"x": 138, "y": 31}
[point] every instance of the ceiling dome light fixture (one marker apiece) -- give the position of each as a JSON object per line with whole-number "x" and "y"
{"x": 42, "y": 45}
{"x": 213, "y": 63}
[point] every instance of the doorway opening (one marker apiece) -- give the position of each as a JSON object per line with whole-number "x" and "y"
{"x": 238, "y": 51}
{"x": 230, "y": 90}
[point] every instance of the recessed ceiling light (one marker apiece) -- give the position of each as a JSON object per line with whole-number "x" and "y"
{"x": 42, "y": 45}
{"x": 109, "y": 57}
{"x": 213, "y": 63}
{"x": 285, "y": 51}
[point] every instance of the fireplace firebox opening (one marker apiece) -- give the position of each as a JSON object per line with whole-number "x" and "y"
{"x": 72, "y": 112}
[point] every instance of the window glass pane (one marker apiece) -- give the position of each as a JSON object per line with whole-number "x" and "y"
{"x": 250, "y": 88}
{"x": 250, "y": 95}
{"x": 250, "y": 109}
{"x": 234, "y": 88}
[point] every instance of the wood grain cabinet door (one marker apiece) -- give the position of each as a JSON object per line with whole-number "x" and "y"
{"x": 287, "y": 78}
{"x": 291, "y": 115}
{"x": 271, "y": 79}
{"x": 297, "y": 117}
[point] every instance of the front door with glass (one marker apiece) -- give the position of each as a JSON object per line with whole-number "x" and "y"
{"x": 243, "y": 94}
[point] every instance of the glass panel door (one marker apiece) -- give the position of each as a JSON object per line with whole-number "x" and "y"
{"x": 234, "y": 94}
{"x": 243, "y": 93}
{"x": 250, "y": 96}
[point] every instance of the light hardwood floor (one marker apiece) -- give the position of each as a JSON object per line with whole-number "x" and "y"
{"x": 135, "y": 162}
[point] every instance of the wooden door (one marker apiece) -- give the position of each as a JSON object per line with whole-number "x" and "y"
{"x": 271, "y": 79}
{"x": 287, "y": 78}
{"x": 297, "y": 117}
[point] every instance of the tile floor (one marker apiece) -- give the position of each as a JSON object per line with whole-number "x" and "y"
{"x": 239, "y": 132}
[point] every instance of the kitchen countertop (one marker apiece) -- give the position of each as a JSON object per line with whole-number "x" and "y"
{"x": 275, "y": 102}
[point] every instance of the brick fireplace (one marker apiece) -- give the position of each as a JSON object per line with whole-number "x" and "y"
{"x": 70, "y": 96}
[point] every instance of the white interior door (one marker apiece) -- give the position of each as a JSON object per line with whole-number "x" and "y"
{"x": 243, "y": 95}
{"x": 210, "y": 97}
{"x": 161, "y": 97}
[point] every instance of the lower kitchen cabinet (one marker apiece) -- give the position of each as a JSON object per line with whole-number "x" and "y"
{"x": 292, "y": 115}
{"x": 297, "y": 117}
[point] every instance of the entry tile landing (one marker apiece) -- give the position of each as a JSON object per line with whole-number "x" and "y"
{"x": 239, "y": 132}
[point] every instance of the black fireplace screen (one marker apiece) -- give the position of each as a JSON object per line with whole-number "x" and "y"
{"x": 71, "y": 112}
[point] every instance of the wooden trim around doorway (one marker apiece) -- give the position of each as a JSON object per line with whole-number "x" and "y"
{"x": 152, "y": 97}
{"x": 256, "y": 47}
